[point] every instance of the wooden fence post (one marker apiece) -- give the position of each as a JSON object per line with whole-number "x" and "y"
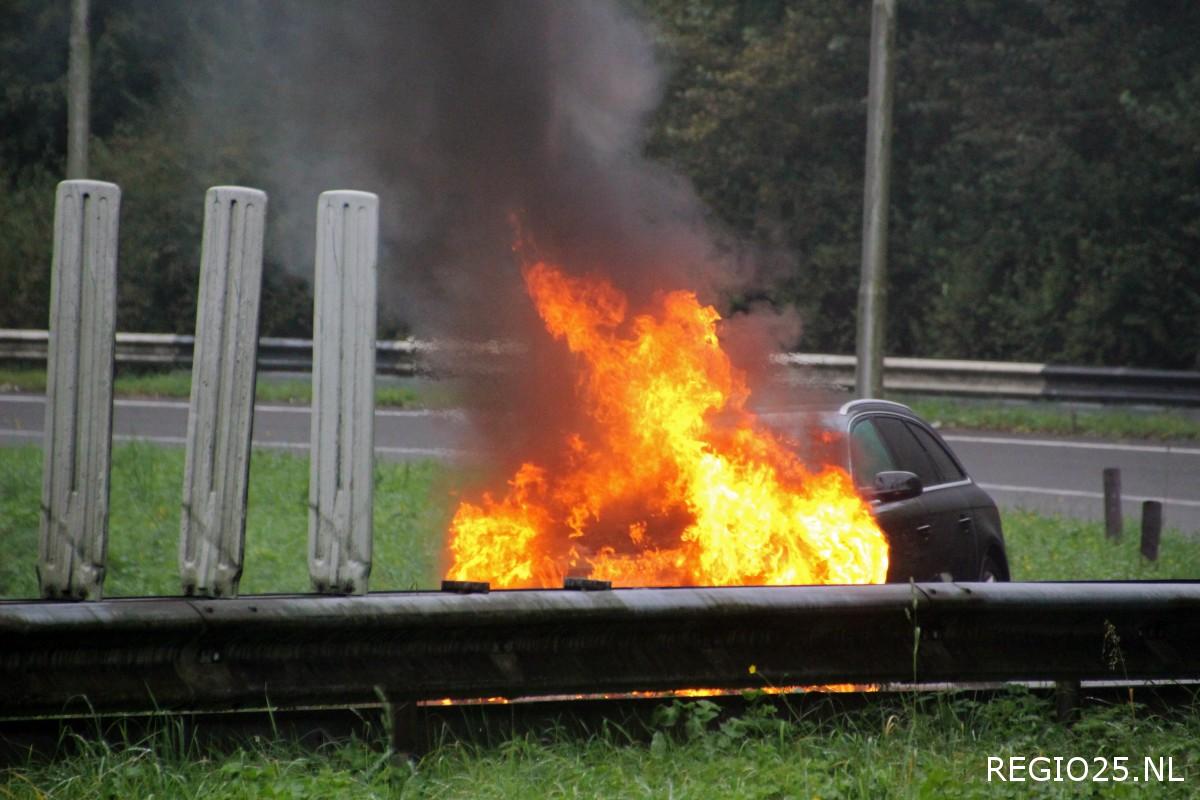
{"x": 73, "y": 535}
{"x": 343, "y": 415}
{"x": 1113, "y": 523}
{"x": 1152, "y": 518}
{"x": 221, "y": 415}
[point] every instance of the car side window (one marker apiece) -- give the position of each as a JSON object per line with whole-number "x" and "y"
{"x": 910, "y": 456}
{"x": 869, "y": 455}
{"x": 945, "y": 464}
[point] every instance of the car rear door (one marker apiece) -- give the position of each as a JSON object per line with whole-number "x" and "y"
{"x": 946, "y": 536}
{"x": 952, "y": 502}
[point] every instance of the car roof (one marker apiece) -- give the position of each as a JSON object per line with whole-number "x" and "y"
{"x": 863, "y": 405}
{"x": 839, "y": 418}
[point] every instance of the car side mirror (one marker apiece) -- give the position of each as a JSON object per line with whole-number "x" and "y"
{"x": 893, "y": 486}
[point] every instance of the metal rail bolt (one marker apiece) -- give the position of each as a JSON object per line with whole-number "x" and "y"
{"x": 221, "y": 413}
{"x": 73, "y": 536}
{"x": 343, "y": 418}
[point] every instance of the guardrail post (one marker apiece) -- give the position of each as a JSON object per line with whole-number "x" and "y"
{"x": 73, "y": 535}
{"x": 1151, "y": 528}
{"x": 1112, "y": 504}
{"x": 343, "y": 416}
{"x": 1066, "y": 701}
{"x": 221, "y": 414}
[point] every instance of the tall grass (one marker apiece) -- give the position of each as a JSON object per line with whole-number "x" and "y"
{"x": 930, "y": 748}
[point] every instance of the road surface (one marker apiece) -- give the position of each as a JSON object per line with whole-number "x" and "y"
{"x": 1046, "y": 474}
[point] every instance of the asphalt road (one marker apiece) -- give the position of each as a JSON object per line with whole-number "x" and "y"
{"x": 1053, "y": 475}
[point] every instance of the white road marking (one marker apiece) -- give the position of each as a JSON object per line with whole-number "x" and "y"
{"x": 1136, "y": 498}
{"x": 181, "y": 405}
{"x": 1059, "y": 443}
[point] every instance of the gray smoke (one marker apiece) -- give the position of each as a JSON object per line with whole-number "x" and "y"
{"x": 459, "y": 115}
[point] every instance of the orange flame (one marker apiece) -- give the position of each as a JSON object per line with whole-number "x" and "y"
{"x": 640, "y": 694}
{"x": 678, "y": 484}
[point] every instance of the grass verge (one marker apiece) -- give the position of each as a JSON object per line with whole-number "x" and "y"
{"x": 1055, "y": 419}
{"x": 412, "y": 506}
{"x": 937, "y": 746}
{"x": 178, "y": 384}
{"x": 1042, "y": 548}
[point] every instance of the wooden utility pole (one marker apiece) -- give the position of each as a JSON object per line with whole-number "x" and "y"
{"x": 78, "y": 92}
{"x": 872, "y": 293}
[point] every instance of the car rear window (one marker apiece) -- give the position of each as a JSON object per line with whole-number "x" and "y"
{"x": 945, "y": 464}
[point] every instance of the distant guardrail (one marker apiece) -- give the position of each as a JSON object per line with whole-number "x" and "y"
{"x": 400, "y": 357}
{"x": 1001, "y": 379}
{"x": 1011, "y": 379}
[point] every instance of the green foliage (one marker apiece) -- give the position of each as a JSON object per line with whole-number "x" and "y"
{"x": 141, "y": 140}
{"x": 26, "y": 229}
{"x": 33, "y": 107}
{"x": 1045, "y": 203}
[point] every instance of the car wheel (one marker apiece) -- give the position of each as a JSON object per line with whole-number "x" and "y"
{"x": 990, "y": 571}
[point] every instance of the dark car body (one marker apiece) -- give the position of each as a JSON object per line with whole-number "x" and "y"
{"x": 940, "y": 526}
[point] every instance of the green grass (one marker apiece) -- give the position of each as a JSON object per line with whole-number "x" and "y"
{"x": 178, "y": 384}
{"x": 934, "y": 747}
{"x": 411, "y": 507}
{"x": 1055, "y": 419}
{"x": 22, "y": 380}
{"x": 1042, "y": 548}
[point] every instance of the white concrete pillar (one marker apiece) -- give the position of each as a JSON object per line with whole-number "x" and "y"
{"x": 221, "y": 416}
{"x": 343, "y": 417}
{"x": 73, "y": 537}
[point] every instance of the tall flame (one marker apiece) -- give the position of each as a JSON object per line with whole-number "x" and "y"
{"x": 676, "y": 482}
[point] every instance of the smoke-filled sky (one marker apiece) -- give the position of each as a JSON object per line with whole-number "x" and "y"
{"x": 460, "y": 115}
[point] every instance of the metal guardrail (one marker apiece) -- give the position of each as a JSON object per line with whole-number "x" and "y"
{"x": 1008, "y": 379}
{"x": 173, "y": 350}
{"x": 904, "y": 375}
{"x": 285, "y": 651}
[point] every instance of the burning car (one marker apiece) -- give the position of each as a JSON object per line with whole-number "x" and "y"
{"x": 667, "y": 477}
{"x": 938, "y": 522}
